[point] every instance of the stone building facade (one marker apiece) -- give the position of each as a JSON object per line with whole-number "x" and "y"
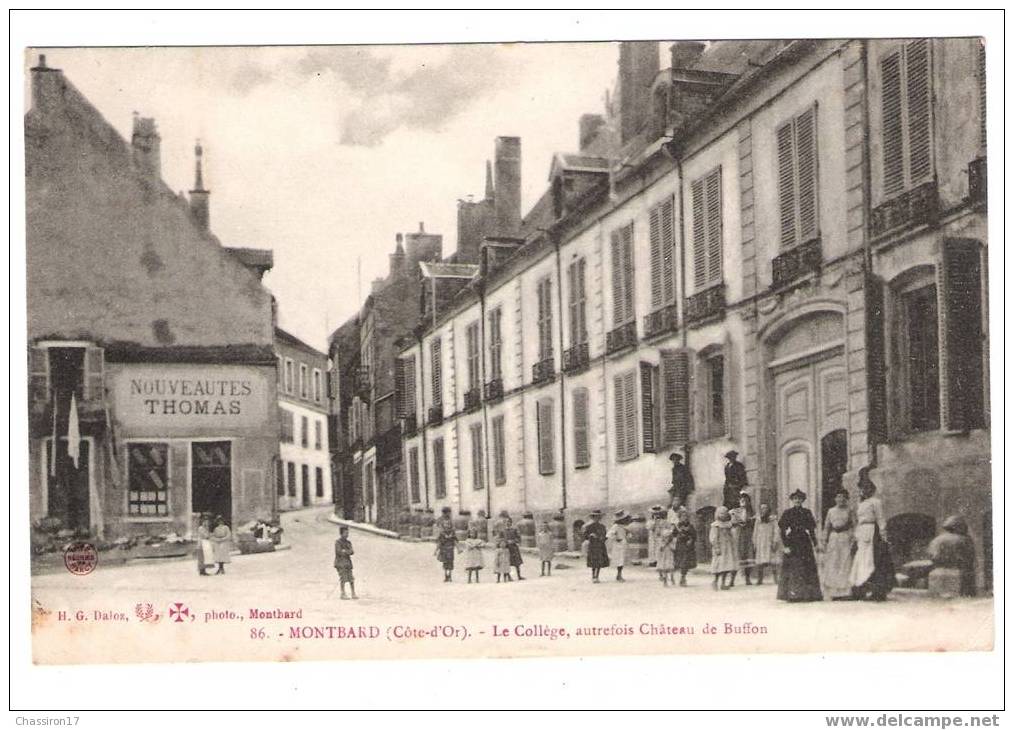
{"x": 712, "y": 271}
{"x": 151, "y": 365}
{"x": 303, "y": 476}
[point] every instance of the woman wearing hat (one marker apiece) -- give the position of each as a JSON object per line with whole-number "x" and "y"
{"x": 872, "y": 575}
{"x": 655, "y": 533}
{"x": 594, "y": 537}
{"x": 724, "y": 555}
{"x": 838, "y": 540}
{"x": 617, "y": 540}
{"x": 799, "y": 580}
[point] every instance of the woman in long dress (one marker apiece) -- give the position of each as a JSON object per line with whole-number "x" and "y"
{"x": 594, "y": 537}
{"x": 664, "y": 556}
{"x": 838, "y": 540}
{"x": 684, "y": 545}
{"x": 799, "y": 580}
{"x": 205, "y": 549}
{"x": 617, "y": 541}
{"x": 872, "y": 576}
{"x": 221, "y": 540}
{"x": 724, "y": 553}
{"x": 743, "y": 519}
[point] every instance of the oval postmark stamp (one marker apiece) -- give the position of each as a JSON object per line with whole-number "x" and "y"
{"x": 80, "y": 558}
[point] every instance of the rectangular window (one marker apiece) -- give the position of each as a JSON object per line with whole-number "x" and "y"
{"x": 649, "y": 413}
{"x": 318, "y": 435}
{"x": 907, "y": 153}
{"x": 320, "y": 482}
{"x": 289, "y": 384}
{"x": 582, "y": 454}
{"x": 715, "y": 374}
{"x": 706, "y": 207}
{"x": 622, "y": 246}
{"x": 436, "y": 372}
{"x": 625, "y": 396}
{"x": 495, "y": 344}
{"x": 281, "y": 372}
{"x": 304, "y": 390}
{"x": 545, "y": 297}
{"x": 475, "y": 432}
{"x": 413, "y": 474}
{"x": 287, "y": 421}
{"x": 148, "y": 480}
{"x": 662, "y": 240}
{"x": 576, "y": 301}
{"x": 472, "y": 355}
{"x": 318, "y": 393}
{"x": 304, "y": 472}
{"x": 797, "y": 178}
{"x": 280, "y": 478}
{"x": 544, "y": 428}
{"x": 405, "y": 386}
{"x": 439, "y": 475}
{"x": 292, "y": 478}
{"x": 499, "y": 452}
{"x": 304, "y": 432}
{"x": 922, "y": 361}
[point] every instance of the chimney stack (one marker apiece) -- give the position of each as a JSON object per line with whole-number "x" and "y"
{"x": 199, "y": 204}
{"x": 507, "y": 184}
{"x": 397, "y": 260}
{"x": 638, "y": 68}
{"x": 684, "y": 54}
{"x": 146, "y": 144}
{"x": 47, "y": 85}
{"x": 590, "y": 125}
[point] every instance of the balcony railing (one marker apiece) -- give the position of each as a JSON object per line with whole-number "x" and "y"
{"x": 977, "y": 180}
{"x": 797, "y": 261}
{"x": 543, "y": 371}
{"x": 661, "y": 321}
{"x": 914, "y": 207}
{"x": 473, "y": 399}
{"x": 705, "y": 304}
{"x": 435, "y": 415}
{"x": 409, "y": 424}
{"x": 622, "y": 337}
{"x": 576, "y": 358}
{"x": 494, "y": 390}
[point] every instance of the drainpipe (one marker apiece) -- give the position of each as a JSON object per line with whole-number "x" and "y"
{"x": 555, "y": 238}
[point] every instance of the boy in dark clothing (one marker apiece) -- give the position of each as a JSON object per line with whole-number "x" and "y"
{"x": 343, "y": 561}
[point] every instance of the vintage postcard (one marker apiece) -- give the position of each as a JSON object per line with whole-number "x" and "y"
{"x": 508, "y": 350}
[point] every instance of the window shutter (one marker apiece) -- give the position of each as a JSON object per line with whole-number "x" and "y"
{"x": 544, "y": 419}
{"x": 499, "y": 452}
{"x": 620, "y": 421}
{"x": 582, "y": 457}
{"x": 38, "y": 369}
{"x": 476, "y": 434}
{"x": 618, "y": 307}
{"x": 806, "y": 156}
{"x": 675, "y": 397}
{"x": 572, "y": 301}
{"x": 917, "y": 88}
{"x": 95, "y": 360}
{"x": 668, "y": 244}
{"x": 699, "y": 398}
{"x": 786, "y": 185}
{"x": 655, "y": 248}
{"x": 439, "y": 476}
{"x": 893, "y": 143}
{"x": 628, "y": 272}
{"x": 699, "y": 239}
{"x": 436, "y": 374}
{"x": 963, "y": 335}
{"x": 714, "y": 203}
{"x": 630, "y": 412}
{"x": 400, "y": 396}
{"x": 876, "y": 370}
{"x": 408, "y": 373}
{"x": 649, "y": 438}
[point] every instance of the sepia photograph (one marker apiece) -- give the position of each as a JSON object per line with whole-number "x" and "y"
{"x": 497, "y": 350}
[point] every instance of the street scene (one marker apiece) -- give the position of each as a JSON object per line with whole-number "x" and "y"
{"x": 700, "y": 365}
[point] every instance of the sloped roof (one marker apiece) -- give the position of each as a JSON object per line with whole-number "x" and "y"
{"x": 577, "y": 163}
{"x": 439, "y": 270}
{"x": 290, "y": 339}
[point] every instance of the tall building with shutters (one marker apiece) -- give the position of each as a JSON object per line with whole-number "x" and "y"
{"x": 152, "y": 372}
{"x": 777, "y": 248}
{"x": 303, "y": 475}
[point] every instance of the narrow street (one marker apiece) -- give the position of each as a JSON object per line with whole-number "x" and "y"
{"x": 402, "y": 595}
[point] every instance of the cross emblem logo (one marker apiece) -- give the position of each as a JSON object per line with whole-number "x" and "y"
{"x": 178, "y": 612}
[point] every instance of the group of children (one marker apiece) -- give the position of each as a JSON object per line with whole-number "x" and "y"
{"x": 741, "y": 539}
{"x": 506, "y": 543}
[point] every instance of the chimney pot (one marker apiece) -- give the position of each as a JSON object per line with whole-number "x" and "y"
{"x": 422, "y": 228}
{"x": 507, "y": 184}
{"x": 146, "y": 144}
{"x": 684, "y": 54}
{"x": 42, "y": 60}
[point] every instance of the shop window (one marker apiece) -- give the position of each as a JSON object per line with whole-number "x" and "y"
{"x": 148, "y": 479}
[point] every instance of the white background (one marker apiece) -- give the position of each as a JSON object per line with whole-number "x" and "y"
{"x": 947, "y": 683}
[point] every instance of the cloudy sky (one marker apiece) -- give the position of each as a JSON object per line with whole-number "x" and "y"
{"x": 325, "y": 153}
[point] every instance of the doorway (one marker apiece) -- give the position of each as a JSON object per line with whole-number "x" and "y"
{"x": 305, "y": 473}
{"x": 834, "y": 462}
{"x": 67, "y": 487}
{"x": 211, "y": 478}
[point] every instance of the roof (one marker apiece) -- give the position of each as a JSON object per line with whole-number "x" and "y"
{"x": 262, "y": 259}
{"x": 577, "y": 163}
{"x": 290, "y": 339}
{"x": 736, "y": 56}
{"x": 437, "y": 270}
